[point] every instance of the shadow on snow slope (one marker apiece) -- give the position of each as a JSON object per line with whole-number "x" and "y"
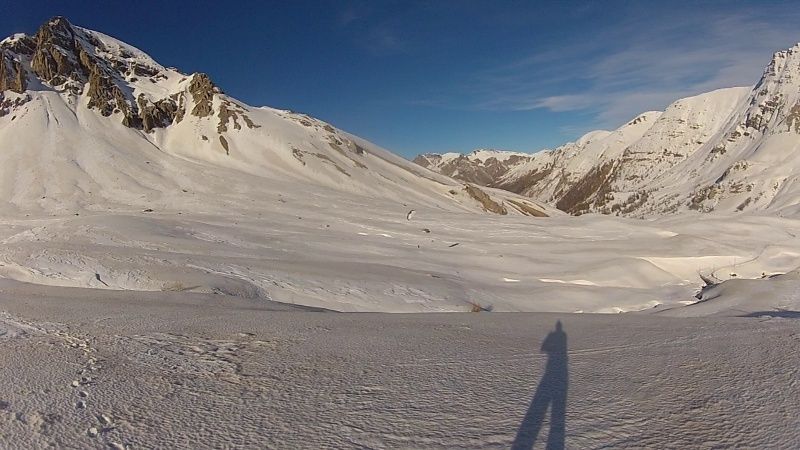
{"x": 552, "y": 392}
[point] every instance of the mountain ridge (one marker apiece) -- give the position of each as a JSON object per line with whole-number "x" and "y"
{"x": 89, "y": 120}
{"x": 726, "y": 150}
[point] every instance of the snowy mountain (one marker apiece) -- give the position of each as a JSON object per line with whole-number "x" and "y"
{"x": 729, "y": 150}
{"x": 170, "y": 260}
{"x": 91, "y": 123}
{"x": 481, "y": 166}
{"x": 118, "y": 173}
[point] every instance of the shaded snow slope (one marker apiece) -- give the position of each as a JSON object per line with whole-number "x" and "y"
{"x": 241, "y": 374}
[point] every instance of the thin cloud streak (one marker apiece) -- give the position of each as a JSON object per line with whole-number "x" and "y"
{"x": 656, "y": 64}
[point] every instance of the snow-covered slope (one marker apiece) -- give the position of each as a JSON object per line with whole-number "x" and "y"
{"x": 117, "y": 370}
{"x": 752, "y": 162}
{"x": 89, "y": 122}
{"x": 555, "y": 174}
{"x": 153, "y": 232}
{"x": 768, "y": 296}
{"x": 729, "y": 150}
{"x": 620, "y": 179}
{"x": 118, "y": 173}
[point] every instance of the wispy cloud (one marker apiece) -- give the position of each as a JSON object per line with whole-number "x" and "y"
{"x": 642, "y": 64}
{"x": 570, "y": 102}
{"x": 374, "y": 30}
{"x": 347, "y": 17}
{"x": 384, "y": 39}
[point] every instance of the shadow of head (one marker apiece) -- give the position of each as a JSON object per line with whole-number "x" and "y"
{"x": 555, "y": 342}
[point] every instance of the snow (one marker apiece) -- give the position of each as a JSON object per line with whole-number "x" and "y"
{"x": 727, "y": 150}
{"x": 354, "y": 253}
{"x": 117, "y": 47}
{"x": 211, "y": 276}
{"x": 262, "y": 225}
{"x": 217, "y": 371}
{"x": 500, "y": 155}
{"x": 481, "y": 155}
{"x": 770, "y": 296}
{"x": 13, "y": 38}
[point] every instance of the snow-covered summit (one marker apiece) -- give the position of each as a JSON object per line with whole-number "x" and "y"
{"x": 90, "y": 120}
{"x": 483, "y": 154}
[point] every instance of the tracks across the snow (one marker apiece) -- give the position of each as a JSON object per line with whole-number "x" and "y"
{"x": 61, "y": 413}
{"x": 184, "y": 370}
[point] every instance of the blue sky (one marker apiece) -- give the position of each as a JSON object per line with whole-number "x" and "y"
{"x": 422, "y": 76}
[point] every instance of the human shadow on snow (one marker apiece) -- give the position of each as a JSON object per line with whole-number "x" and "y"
{"x": 552, "y": 393}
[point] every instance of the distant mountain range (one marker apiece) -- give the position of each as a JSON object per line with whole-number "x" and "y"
{"x": 730, "y": 150}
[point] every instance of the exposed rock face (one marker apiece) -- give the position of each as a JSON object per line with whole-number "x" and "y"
{"x": 105, "y": 96}
{"x": 74, "y": 61}
{"x": 9, "y": 104}
{"x": 202, "y": 90}
{"x": 180, "y": 106}
{"x": 156, "y": 115}
{"x": 487, "y": 202}
{"x": 229, "y": 111}
{"x": 12, "y": 75}
{"x": 224, "y": 143}
{"x": 793, "y": 119}
{"x": 527, "y": 209}
{"x": 56, "y": 53}
{"x": 589, "y": 192}
{"x": 20, "y": 45}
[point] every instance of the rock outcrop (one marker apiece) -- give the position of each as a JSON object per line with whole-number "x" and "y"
{"x": 485, "y": 200}
{"x": 202, "y": 90}
{"x": 12, "y": 75}
{"x": 74, "y": 61}
{"x": 56, "y": 54}
{"x": 157, "y": 114}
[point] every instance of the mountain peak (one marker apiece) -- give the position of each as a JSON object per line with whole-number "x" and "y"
{"x": 59, "y": 23}
{"x": 645, "y": 117}
{"x": 781, "y": 59}
{"x": 115, "y": 77}
{"x": 113, "y": 123}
